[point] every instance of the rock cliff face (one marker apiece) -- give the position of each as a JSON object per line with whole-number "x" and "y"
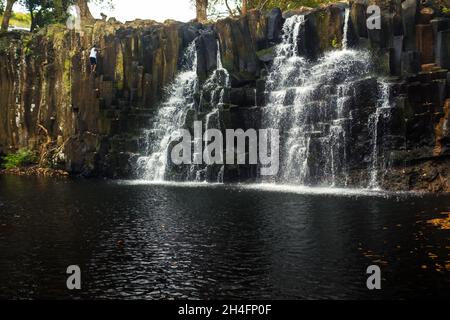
{"x": 92, "y": 124}
{"x": 51, "y": 102}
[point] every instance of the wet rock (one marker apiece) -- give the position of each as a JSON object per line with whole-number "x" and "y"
{"x": 99, "y": 118}
{"x": 409, "y": 17}
{"x": 440, "y": 24}
{"x": 206, "y": 46}
{"x": 365, "y": 92}
{"x": 426, "y": 15}
{"x": 443, "y": 49}
{"x": 391, "y": 24}
{"x": 359, "y": 17}
{"x": 257, "y": 24}
{"x": 274, "y": 25}
{"x": 238, "y": 53}
{"x": 425, "y": 43}
{"x": 189, "y": 32}
{"x": 396, "y": 56}
{"x": 410, "y": 62}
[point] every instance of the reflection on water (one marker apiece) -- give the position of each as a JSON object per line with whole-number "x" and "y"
{"x": 134, "y": 240}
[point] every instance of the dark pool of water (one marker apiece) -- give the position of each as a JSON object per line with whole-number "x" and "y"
{"x": 158, "y": 242}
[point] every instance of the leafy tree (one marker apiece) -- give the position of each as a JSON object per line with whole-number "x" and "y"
{"x": 241, "y": 7}
{"x": 45, "y": 12}
{"x": 201, "y": 7}
{"x": 286, "y": 4}
{"x": 7, "y": 14}
{"x": 84, "y": 8}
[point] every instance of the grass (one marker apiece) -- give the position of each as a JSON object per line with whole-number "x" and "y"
{"x": 19, "y": 19}
{"x": 21, "y": 158}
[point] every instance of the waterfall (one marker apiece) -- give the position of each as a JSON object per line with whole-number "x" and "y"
{"x": 170, "y": 117}
{"x": 345, "y": 32}
{"x": 179, "y": 111}
{"x": 315, "y": 105}
{"x": 308, "y": 101}
{"x": 383, "y": 111}
{"x": 217, "y": 85}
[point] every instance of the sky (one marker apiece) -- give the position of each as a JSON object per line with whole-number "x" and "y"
{"x": 159, "y": 10}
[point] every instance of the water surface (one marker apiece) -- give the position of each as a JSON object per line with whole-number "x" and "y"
{"x": 159, "y": 241}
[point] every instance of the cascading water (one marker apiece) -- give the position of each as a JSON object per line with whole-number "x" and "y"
{"x": 346, "y": 25}
{"x": 314, "y": 104}
{"x": 171, "y": 116}
{"x": 216, "y": 88}
{"x": 179, "y": 111}
{"x": 310, "y": 103}
{"x": 382, "y": 112}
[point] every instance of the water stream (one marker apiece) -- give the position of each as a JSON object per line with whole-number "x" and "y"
{"x": 311, "y": 102}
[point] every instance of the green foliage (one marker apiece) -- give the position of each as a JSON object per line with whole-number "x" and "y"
{"x": 221, "y": 8}
{"x": 42, "y": 13}
{"x": 104, "y": 3}
{"x": 21, "y": 158}
{"x": 287, "y": 4}
{"x": 28, "y": 45}
{"x": 46, "y": 12}
{"x": 335, "y": 43}
{"x": 265, "y": 52}
{"x": 446, "y": 10}
{"x": 19, "y": 19}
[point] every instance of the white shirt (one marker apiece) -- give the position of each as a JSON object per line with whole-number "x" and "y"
{"x": 93, "y": 53}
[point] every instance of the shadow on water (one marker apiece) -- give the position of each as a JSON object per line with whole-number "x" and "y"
{"x": 136, "y": 240}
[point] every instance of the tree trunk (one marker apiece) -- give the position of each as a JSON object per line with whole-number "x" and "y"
{"x": 7, "y": 14}
{"x": 85, "y": 13}
{"x": 202, "y": 10}
{"x": 33, "y": 21}
{"x": 244, "y": 7}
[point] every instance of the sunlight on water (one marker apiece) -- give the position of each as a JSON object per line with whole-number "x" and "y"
{"x": 274, "y": 188}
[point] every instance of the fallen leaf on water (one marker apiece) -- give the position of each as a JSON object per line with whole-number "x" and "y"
{"x": 432, "y": 255}
{"x": 443, "y": 224}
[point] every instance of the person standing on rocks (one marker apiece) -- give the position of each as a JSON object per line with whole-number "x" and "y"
{"x": 93, "y": 58}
